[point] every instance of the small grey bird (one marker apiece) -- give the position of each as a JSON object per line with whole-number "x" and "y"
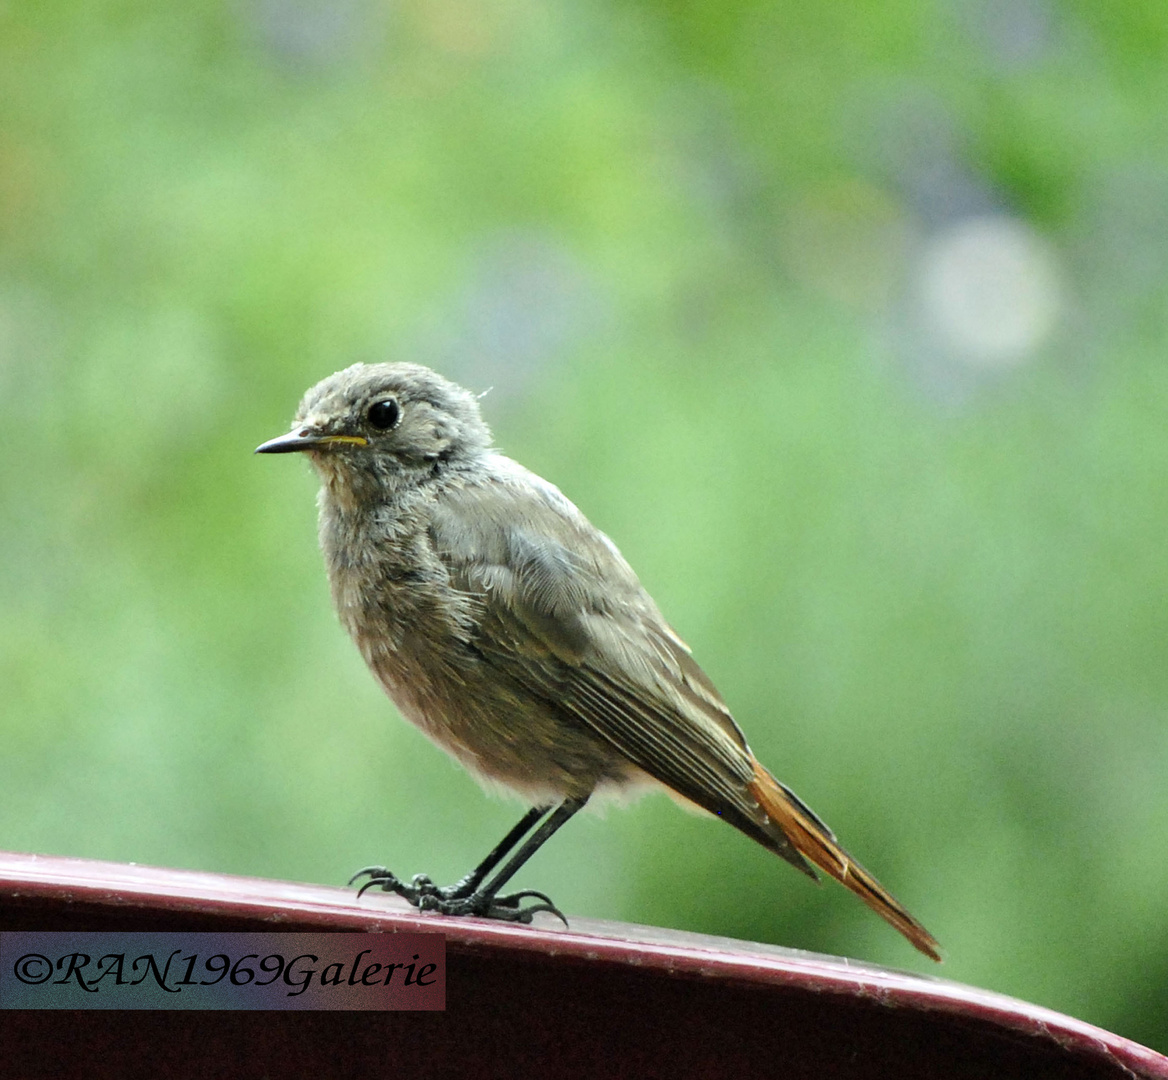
{"x": 513, "y": 633}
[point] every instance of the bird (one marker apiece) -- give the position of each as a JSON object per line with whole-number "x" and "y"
{"x": 514, "y": 634}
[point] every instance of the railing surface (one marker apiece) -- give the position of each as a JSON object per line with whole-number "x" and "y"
{"x": 597, "y": 1000}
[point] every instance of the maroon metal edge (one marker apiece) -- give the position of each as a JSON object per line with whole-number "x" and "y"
{"x": 28, "y": 880}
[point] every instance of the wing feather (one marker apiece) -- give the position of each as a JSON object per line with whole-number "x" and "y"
{"x": 564, "y": 615}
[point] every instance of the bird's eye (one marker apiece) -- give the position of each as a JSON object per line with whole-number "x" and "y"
{"x": 384, "y": 414}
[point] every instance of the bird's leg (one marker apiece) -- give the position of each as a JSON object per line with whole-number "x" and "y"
{"x": 470, "y": 896}
{"x": 486, "y": 902}
{"x": 421, "y": 886}
{"x": 474, "y": 879}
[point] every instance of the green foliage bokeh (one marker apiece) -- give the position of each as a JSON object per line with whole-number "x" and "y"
{"x": 677, "y": 240}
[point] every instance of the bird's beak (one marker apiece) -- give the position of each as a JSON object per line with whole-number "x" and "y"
{"x": 306, "y": 439}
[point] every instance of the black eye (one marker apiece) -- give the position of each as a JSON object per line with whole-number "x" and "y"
{"x": 384, "y": 414}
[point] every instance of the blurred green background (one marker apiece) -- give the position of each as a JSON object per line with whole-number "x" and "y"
{"x": 846, "y": 321}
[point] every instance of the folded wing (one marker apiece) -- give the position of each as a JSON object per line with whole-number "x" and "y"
{"x": 565, "y": 616}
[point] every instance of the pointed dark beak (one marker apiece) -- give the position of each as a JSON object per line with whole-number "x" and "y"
{"x": 305, "y": 439}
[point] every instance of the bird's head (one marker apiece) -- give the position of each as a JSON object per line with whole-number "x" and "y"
{"x": 382, "y": 424}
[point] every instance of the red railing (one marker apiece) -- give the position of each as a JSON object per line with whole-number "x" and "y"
{"x": 599, "y": 999}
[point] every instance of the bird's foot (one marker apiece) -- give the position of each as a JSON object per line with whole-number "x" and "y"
{"x": 417, "y": 888}
{"x": 456, "y": 899}
{"x": 508, "y": 908}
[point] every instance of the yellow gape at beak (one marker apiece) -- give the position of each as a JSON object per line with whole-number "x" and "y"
{"x": 306, "y": 440}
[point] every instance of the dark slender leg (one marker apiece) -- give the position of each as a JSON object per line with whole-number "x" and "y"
{"x": 467, "y": 897}
{"x": 534, "y": 842}
{"x": 421, "y": 884}
{"x": 475, "y": 878}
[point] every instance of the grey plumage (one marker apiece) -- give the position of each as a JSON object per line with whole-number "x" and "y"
{"x": 507, "y": 627}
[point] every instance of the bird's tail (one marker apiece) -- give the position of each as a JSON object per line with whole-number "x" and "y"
{"x": 816, "y": 841}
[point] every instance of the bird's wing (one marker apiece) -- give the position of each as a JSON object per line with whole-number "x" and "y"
{"x": 564, "y": 615}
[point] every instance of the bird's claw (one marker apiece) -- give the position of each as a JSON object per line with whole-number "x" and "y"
{"x": 414, "y": 891}
{"x": 524, "y": 915}
{"x": 426, "y": 896}
{"x": 508, "y": 908}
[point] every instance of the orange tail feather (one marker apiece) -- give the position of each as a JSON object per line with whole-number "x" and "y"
{"x": 815, "y": 841}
